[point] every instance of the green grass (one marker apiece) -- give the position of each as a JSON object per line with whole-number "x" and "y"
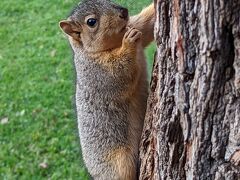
{"x": 36, "y": 90}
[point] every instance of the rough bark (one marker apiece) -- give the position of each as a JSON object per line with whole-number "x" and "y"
{"x": 192, "y": 125}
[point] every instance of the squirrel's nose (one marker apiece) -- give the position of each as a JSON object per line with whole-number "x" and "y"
{"x": 124, "y": 13}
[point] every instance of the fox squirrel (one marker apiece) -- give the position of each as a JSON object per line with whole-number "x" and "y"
{"x": 111, "y": 84}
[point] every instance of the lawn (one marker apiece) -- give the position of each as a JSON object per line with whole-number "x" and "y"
{"x": 38, "y": 131}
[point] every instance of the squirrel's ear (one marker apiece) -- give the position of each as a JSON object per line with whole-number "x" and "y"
{"x": 70, "y": 28}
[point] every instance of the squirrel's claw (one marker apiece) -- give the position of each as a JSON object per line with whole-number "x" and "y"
{"x": 132, "y": 36}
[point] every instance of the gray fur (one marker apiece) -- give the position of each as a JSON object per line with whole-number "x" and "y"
{"x": 105, "y": 121}
{"x": 88, "y": 7}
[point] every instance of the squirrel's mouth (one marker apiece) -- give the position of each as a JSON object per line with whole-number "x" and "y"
{"x": 123, "y": 29}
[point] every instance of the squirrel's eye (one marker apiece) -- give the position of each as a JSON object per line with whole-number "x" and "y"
{"x": 91, "y": 22}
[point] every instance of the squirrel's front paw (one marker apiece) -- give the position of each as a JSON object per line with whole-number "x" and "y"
{"x": 132, "y": 37}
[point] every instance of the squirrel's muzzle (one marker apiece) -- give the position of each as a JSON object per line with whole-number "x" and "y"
{"x": 124, "y": 13}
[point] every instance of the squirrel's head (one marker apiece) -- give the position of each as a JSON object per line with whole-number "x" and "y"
{"x": 96, "y": 25}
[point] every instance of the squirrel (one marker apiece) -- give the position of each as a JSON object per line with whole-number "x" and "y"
{"x": 111, "y": 84}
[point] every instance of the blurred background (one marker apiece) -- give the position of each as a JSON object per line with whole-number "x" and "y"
{"x": 38, "y": 127}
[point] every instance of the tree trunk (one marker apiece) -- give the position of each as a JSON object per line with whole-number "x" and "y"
{"x": 192, "y": 125}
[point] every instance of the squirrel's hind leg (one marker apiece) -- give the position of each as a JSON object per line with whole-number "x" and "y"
{"x": 124, "y": 164}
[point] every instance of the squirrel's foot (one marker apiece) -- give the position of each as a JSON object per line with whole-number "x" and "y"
{"x": 132, "y": 37}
